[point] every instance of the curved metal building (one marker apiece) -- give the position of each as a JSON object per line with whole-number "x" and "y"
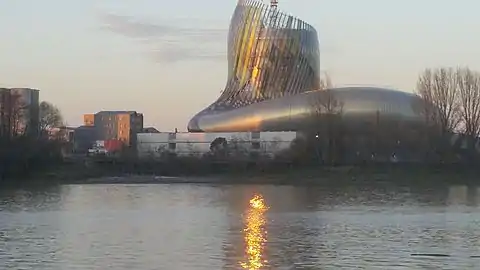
{"x": 274, "y": 74}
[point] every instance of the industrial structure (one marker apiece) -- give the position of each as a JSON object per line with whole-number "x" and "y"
{"x": 274, "y": 80}
{"x": 19, "y": 111}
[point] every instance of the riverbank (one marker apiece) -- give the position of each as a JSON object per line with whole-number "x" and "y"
{"x": 293, "y": 179}
{"x": 277, "y": 174}
{"x": 88, "y": 171}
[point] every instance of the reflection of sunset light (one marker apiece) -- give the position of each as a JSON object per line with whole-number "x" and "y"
{"x": 255, "y": 234}
{"x": 258, "y": 203}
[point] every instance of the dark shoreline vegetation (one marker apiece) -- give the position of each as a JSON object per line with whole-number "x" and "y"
{"x": 22, "y": 157}
{"x": 39, "y": 162}
{"x": 195, "y": 171}
{"x": 443, "y": 148}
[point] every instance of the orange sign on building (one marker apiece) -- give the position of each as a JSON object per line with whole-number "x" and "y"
{"x": 89, "y": 120}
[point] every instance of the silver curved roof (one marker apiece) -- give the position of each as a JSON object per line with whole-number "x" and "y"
{"x": 372, "y": 99}
{"x": 295, "y": 112}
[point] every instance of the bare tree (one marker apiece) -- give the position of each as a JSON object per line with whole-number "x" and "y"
{"x": 439, "y": 91}
{"x": 325, "y": 102}
{"x": 14, "y": 116}
{"x": 327, "y": 110}
{"x": 50, "y": 116}
{"x": 4, "y": 114}
{"x": 326, "y": 82}
{"x": 469, "y": 93}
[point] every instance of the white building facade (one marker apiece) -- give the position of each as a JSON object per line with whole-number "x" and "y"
{"x": 154, "y": 145}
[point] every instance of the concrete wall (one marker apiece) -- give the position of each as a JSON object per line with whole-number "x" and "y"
{"x": 198, "y": 144}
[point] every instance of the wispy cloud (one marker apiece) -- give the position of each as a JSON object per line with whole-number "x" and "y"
{"x": 170, "y": 42}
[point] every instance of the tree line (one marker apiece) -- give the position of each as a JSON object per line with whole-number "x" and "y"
{"x": 449, "y": 102}
{"x": 26, "y": 144}
{"x": 452, "y": 99}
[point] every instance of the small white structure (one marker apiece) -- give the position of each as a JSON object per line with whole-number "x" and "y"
{"x": 198, "y": 144}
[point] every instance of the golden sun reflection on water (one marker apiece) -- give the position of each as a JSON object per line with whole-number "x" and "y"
{"x": 255, "y": 234}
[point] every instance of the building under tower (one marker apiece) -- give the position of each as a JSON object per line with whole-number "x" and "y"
{"x": 274, "y": 75}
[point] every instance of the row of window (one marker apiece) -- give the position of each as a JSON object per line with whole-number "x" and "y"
{"x": 173, "y": 146}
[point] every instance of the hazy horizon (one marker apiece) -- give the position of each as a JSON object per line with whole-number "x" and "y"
{"x": 167, "y": 59}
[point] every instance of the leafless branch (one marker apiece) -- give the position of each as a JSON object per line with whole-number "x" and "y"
{"x": 326, "y": 82}
{"x": 469, "y": 94}
{"x": 438, "y": 89}
{"x": 50, "y": 116}
{"x": 326, "y": 103}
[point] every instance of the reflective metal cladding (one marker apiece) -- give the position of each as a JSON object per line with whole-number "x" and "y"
{"x": 273, "y": 65}
{"x": 270, "y": 55}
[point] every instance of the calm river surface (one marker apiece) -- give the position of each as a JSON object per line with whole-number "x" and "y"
{"x": 240, "y": 227}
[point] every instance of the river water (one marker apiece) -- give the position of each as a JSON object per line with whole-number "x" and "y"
{"x": 240, "y": 227}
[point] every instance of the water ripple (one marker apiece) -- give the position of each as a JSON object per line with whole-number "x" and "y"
{"x": 215, "y": 227}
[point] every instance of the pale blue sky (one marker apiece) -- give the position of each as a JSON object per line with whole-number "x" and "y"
{"x": 167, "y": 58}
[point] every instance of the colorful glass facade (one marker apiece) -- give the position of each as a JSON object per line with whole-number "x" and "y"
{"x": 270, "y": 55}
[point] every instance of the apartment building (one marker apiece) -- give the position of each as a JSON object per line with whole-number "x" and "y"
{"x": 115, "y": 125}
{"x": 19, "y": 111}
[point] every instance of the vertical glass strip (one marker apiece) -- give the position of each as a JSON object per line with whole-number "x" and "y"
{"x": 259, "y": 55}
{"x": 295, "y": 50}
{"x": 244, "y": 41}
{"x": 264, "y": 50}
{"x": 250, "y": 44}
{"x": 276, "y": 53}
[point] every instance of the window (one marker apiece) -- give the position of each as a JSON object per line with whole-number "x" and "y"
{"x": 172, "y": 146}
{"x": 255, "y": 135}
{"x": 256, "y": 145}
